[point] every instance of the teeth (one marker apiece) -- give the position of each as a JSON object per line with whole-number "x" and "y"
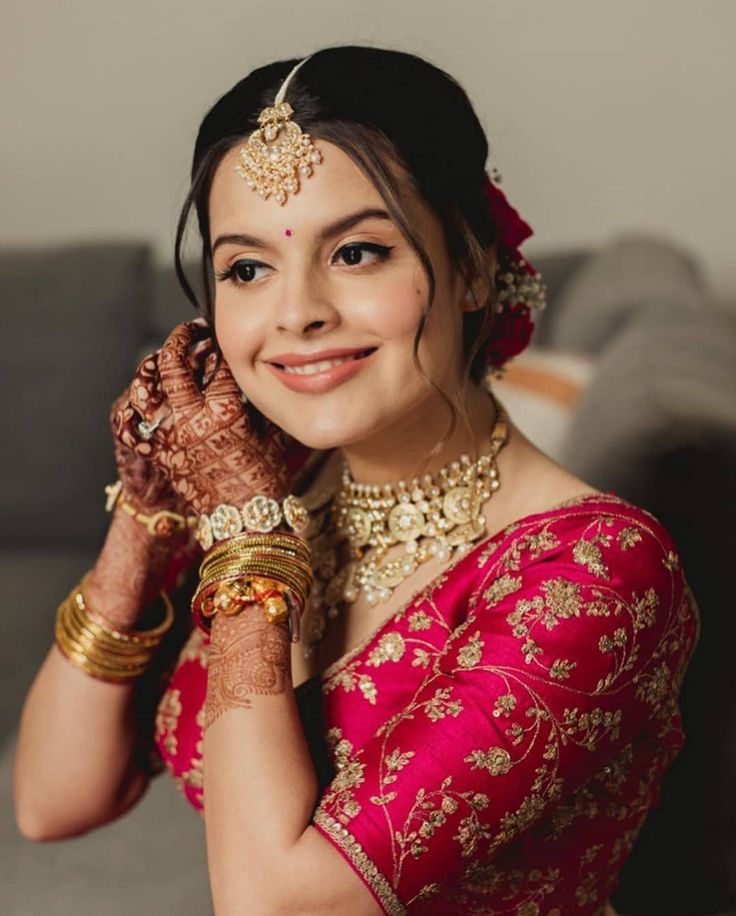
{"x": 314, "y": 368}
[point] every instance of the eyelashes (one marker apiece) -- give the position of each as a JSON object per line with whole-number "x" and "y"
{"x": 242, "y": 272}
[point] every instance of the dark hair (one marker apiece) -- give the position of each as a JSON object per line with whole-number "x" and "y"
{"x": 382, "y": 108}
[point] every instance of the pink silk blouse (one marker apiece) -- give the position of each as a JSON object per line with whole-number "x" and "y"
{"x": 495, "y": 746}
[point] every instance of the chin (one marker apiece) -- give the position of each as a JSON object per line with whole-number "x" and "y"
{"x": 318, "y": 432}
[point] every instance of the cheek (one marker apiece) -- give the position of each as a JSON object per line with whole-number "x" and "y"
{"x": 237, "y": 335}
{"x": 390, "y": 310}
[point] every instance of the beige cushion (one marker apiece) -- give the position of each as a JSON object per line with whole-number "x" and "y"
{"x": 540, "y": 391}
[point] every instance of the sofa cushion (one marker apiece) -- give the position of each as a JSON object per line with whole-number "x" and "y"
{"x": 73, "y": 318}
{"x": 540, "y": 390}
{"x": 626, "y": 277}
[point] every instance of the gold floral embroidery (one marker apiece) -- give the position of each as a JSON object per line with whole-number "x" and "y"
{"x": 496, "y": 760}
{"x": 561, "y": 669}
{"x": 588, "y": 728}
{"x": 628, "y": 536}
{"x": 586, "y": 892}
{"x": 501, "y": 587}
{"x": 419, "y": 620}
{"x": 470, "y": 654}
{"x": 560, "y": 602}
{"x": 421, "y": 658}
{"x": 671, "y": 561}
{"x": 535, "y": 543}
{"x": 196, "y": 648}
{"x": 390, "y": 648}
{"x": 350, "y": 775}
{"x": 394, "y": 762}
{"x": 441, "y": 705}
{"x": 645, "y": 609}
{"x": 349, "y": 679}
{"x": 654, "y": 687}
{"x": 167, "y": 720}
{"x": 194, "y": 776}
{"x": 589, "y": 555}
{"x": 504, "y": 705}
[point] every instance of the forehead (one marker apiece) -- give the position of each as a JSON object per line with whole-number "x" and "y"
{"x": 337, "y": 184}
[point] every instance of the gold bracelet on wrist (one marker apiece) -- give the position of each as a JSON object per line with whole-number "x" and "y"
{"x": 259, "y": 514}
{"x": 107, "y": 653}
{"x": 160, "y": 524}
{"x": 249, "y": 565}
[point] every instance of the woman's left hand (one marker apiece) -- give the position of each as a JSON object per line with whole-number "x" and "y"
{"x": 207, "y": 446}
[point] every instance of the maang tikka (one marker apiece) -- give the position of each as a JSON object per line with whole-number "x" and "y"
{"x": 278, "y": 153}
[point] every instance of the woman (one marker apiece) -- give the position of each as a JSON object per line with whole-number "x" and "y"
{"x": 455, "y": 689}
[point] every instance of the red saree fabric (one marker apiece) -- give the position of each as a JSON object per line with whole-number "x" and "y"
{"x": 495, "y": 746}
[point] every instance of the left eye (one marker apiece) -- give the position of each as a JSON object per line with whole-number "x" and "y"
{"x": 352, "y": 254}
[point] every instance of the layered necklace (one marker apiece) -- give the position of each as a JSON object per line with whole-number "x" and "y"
{"x": 431, "y": 516}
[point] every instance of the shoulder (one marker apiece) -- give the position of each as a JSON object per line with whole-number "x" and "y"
{"x": 602, "y": 536}
{"x": 599, "y": 578}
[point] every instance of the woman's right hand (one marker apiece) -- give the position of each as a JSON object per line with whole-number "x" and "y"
{"x": 134, "y": 565}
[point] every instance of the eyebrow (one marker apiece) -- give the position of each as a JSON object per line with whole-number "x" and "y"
{"x": 327, "y": 232}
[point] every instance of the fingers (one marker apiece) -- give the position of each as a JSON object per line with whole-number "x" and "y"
{"x": 223, "y": 385}
{"x": 146, "y": 395}
{"x": 177, "y": 378}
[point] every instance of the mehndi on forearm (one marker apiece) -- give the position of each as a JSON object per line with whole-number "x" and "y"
{"x": 247, "y": 656}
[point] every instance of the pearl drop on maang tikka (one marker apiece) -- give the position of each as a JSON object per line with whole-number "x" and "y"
{"x": 278, "y": 153}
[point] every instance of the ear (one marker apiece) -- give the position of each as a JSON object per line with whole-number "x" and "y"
{"x": 475, "y": 291}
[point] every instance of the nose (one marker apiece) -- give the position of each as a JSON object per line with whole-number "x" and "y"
{"x": 305, "y": 307}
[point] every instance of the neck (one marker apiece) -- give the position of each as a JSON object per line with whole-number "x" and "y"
{"x": 402, "y": 451}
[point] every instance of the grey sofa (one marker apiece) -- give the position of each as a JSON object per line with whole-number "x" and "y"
{"x": 657, "y": 425}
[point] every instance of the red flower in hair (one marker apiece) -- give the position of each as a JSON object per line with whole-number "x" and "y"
{"x": 512, "y": 326}
{"x": 512, "y": 331}
{"x": 512, "y": 230}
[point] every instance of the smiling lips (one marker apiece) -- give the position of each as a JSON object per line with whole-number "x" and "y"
{"x": 320, "y": 371}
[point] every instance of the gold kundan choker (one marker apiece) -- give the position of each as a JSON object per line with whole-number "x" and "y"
{"x": 431, "y": 516}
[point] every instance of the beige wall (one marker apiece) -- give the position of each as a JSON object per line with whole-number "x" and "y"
{"x": 603, "y": 116}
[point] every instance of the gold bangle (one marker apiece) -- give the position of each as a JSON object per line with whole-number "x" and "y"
{"x": 297, "y": 577}
{"x": 277, "y": 556}
{"x": 108, "y": 654}
{"x": 160, "y": 524}
{"x": 137, "y": 637}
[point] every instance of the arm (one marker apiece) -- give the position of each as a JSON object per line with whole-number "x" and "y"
{"x": 75, "y": 764}
{"x": 260, "y": 785}
{"x": 557, "y": 668}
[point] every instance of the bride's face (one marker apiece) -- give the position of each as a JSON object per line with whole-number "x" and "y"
{"x": 329, "y": 271}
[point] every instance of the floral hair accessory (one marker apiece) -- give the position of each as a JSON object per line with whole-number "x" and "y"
{"x": 519, "y": 287}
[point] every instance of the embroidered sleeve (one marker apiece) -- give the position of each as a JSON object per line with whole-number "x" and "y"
{"x": 560, "y": 662}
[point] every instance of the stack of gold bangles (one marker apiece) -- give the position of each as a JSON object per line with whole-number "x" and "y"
{"x": 267, "y": 568}
{"x": 112, "y": 655}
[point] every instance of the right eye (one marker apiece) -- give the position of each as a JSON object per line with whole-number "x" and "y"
{"x": 240, "y": 273}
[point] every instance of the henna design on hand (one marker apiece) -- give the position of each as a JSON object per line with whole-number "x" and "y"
{"x": 247, "y": 655}
{"x": 145, "y": 485}
{"x": 207, "y": 447}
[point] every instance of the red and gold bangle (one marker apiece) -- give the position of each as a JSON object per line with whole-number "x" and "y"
{"x": 272, "y": 570}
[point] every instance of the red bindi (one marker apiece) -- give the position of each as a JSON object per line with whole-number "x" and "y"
{"x": 288, "y": 233}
